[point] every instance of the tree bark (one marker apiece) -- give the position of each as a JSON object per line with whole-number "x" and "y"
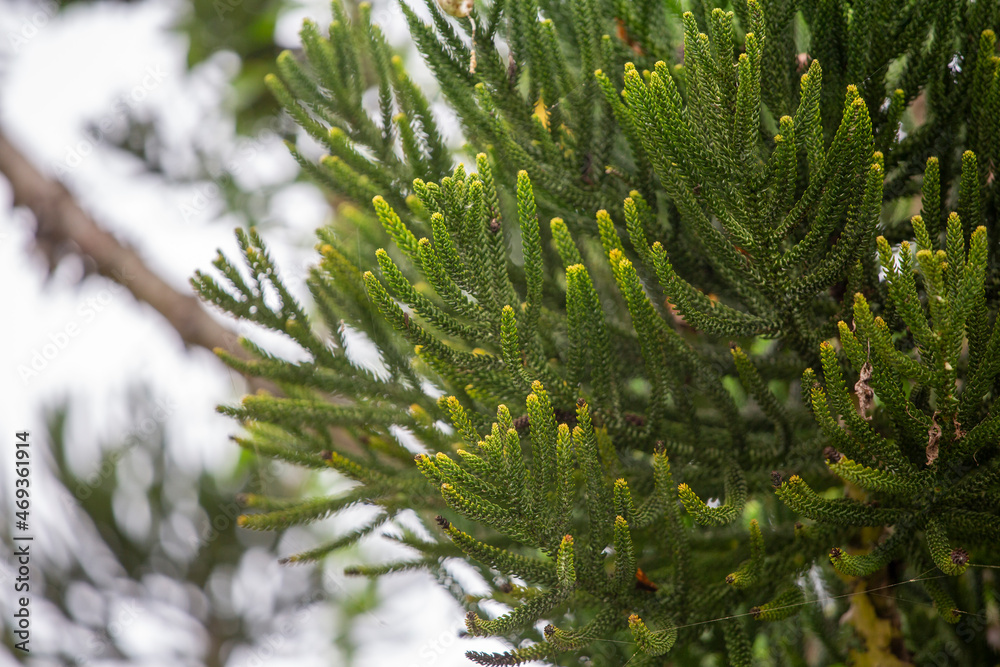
{"x": 64, "y": 228}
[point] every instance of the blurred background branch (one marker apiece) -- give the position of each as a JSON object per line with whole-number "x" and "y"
{"x": 63, "y": 227}
{"x": 109, "y": 180}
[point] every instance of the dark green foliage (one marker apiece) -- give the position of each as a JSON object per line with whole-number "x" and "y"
{"x": 747, "y": 196}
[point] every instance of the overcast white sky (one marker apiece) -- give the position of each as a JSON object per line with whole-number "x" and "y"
{"x": 91, "y": 343}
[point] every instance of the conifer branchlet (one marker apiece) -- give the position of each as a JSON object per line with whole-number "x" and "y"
{"x": 674, "y": 296}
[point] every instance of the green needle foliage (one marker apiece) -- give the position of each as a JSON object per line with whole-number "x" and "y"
{"x": 660, "y": 344}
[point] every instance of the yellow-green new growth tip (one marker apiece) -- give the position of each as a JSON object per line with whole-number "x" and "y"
{"x": 750, "y": 571}
{"x": 651, "y": 642}
{"x": 784, "y": 605}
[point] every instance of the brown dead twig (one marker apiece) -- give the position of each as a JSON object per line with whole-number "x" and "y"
{"x": 64, "y": 228}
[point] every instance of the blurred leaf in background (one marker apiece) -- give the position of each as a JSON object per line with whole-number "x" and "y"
{"x": 148, "y": 566}
{"x": 142, "y": 562}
